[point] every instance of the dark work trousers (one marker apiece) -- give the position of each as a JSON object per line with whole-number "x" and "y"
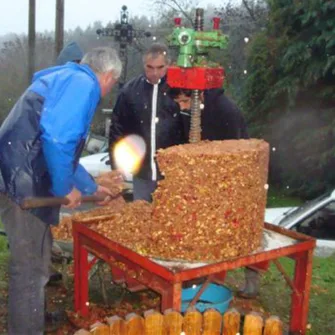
{"x": 30, "y": 242}
{"x": 143, "y": 189}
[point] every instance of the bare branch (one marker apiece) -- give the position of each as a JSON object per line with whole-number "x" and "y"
{"x": 183, "y": 11}
{"x": 250, "y": 11}
{"x": 177, "y": 6}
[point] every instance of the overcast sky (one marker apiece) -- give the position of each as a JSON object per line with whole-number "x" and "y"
{"x": 14, "y": 13}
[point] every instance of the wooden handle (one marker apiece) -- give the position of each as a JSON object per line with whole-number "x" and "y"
{"x": 200, "y": 292}
{"x": 35, "y": 202}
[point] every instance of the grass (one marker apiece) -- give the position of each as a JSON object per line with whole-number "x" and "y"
{"x": 322, "y": 307}
{"x": 3, "y": 245}
{"x": 278, "y": 198}
{"x": 85, "y": 153}
{"x": 3, "y": 241}
{"x": 275, "y": 295}
{"x": 4, "y": 254}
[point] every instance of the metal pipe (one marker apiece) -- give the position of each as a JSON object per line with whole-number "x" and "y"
{"x": 31, "y": 39}
{"x": 199, "y": 19}
{"x": 195, "y": 129}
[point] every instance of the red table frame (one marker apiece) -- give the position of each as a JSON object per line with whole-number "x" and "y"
{"x": 135, "y": 269}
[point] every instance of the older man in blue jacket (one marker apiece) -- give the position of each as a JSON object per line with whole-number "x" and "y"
{"x": 40, "y": 145}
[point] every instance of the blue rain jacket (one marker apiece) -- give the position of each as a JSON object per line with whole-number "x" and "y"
{"x": 42, "y": 138}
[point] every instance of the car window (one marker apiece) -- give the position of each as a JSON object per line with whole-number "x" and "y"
{"x": 320, "y": 225}
{"x": 296, "y": 213}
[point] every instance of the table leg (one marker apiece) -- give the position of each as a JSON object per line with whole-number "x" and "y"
{"x": 219, "y": 278}
{"x": 81, "y": 268}
{"x": 171, "y": 297}
{"x": 300, "y": 296}
{"x": 262, "y": 266}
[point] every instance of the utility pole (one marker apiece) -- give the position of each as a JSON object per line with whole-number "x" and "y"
{"x": 59, "y": 29}
{"x": 31, "y": 39}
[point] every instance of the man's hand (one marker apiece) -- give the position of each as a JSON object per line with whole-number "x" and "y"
{"x": 112, "y": 180}
{"x": 104, "y": 191}
{"x": 74, "y": 198}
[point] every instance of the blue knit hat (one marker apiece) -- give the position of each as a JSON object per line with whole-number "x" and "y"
{"x": 70, "y": 53}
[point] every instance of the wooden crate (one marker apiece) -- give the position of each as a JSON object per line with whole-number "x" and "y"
{"x": 211, "y": 322}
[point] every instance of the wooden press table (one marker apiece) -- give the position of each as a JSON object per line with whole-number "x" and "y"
{"x": 167, "y": 277}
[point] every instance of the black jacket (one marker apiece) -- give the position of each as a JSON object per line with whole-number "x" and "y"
{"x": 23, "y": 170}
{"x": 220, "y": 118}
{"x": 160, "y": 127}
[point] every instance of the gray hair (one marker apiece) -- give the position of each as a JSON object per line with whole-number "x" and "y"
{"x": 156, "y": 50}
{"x": 102, "y": 60}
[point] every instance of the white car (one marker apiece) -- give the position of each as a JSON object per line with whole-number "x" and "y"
{"x": 99, "y": 163}
{"x": 315, "y": 218}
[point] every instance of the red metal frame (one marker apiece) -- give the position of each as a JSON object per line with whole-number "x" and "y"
{"x": 138, "y": 270}
{"x": 195, "y": 78}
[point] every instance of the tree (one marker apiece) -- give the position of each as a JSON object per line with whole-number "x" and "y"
{"x": 240, "y": 23}
{"x": 290, "y": 91}
{"x": 13, "y": 72}
{"x": 168, "y": 9}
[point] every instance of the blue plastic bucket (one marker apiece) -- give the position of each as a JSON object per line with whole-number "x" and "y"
{"x": 214, "y": 296}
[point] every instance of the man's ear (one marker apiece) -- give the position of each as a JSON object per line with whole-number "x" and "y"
{"x": 112, "y": 78}
{"x": 107, "y": 76}
{"x": 108, "y": 79}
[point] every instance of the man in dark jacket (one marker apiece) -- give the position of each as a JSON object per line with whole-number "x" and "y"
{"x": 220, "y": 120}
{"x": 220, "y": 117}
{"x": 40, "y": 145}
{"x": 143, "y": 108}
